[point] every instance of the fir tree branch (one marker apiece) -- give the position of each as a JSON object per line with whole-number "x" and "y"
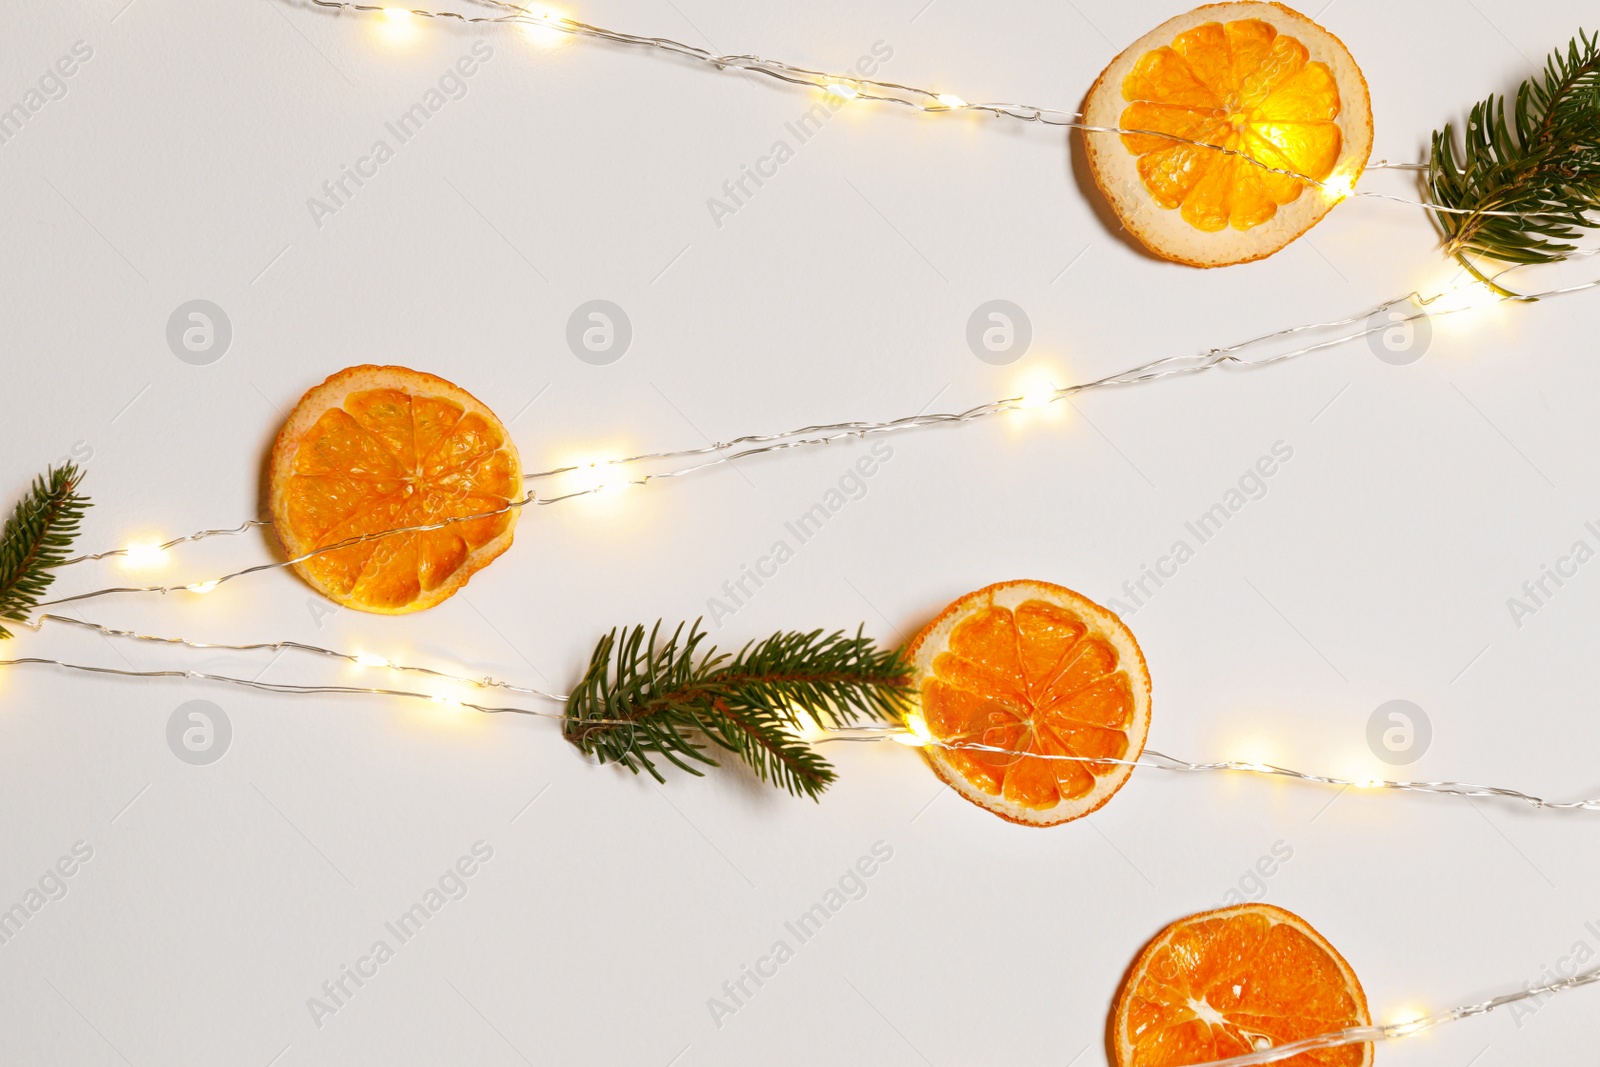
{"x": 37, "y": 538}
{"x": 1542, "y": 168}
{"x": 645, "y": 696}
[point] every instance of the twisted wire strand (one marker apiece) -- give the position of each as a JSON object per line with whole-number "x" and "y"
{"x": 284, "y": 687}
{"x": 249, "y": 524}
{"x": 1156, "y": 369}
{"x": 1333, "y": 1039}
{"x": 1165, "y": 366}
{"x": 358, "y": 659}
{"x": 1357, "y": 1035}
{"x": 1150, "y": 759}
{"x": 724, "y": 452}
{"x": 888, "y": 92}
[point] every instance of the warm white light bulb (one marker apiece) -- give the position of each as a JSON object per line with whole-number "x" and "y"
{"x": 1038, "y": 394}
{"x": 805, "y": 728}
{"x": 1464, "y": 295}
{"x": 366, "y": 659}
{"x": 917, "y": 734}
{"x": 143, "y": 556}
{"x": 1339, "y": 186}
{"x": 1408, "y": 1021}
{"x": 842, "y": 91}
{"x": 396, "y": 14}
{"x": 950, "y": 100}
{"x": 542, "y": 27}
{"x": 202, "y": 587}
{"x": 598, "y": 476}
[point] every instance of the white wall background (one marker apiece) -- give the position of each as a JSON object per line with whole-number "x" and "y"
{"x": 219, "y": 898}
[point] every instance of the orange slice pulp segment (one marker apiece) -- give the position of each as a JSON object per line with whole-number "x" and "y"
{"x": 1019, "y": 673}
{"x": 1239, "y": 980}
{"x": 395, "y": 449}
{"x": 1239, "y": 85}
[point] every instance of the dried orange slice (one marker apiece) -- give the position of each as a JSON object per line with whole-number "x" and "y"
{"x": 1257, "y": 79}
{"x": 1225, "y": 983}
{"x": 1039, "y": 671}
{"x": 379, "y": 448}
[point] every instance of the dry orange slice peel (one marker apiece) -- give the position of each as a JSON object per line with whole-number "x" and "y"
{"x": 1258, "y": 79}
{"x": 1234, "y": 981}
{"x": 1036, "y": 670}
{"x": 381, "y": 448}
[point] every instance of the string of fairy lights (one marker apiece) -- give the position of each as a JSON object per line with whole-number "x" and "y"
{"x": 1340, "y": 185}
{"x": 913, "y": 733}
{"x": 1447, "y": 302}
{"x": 1407, "y": 1027}
{"x": 610, "y": 475}
{"x": 466, "y": 692}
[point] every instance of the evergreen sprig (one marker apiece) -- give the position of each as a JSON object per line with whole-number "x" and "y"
{"x": 643, "y": 696}
{"x": 1543, "y": 166}
{"x": 37, "y": 537}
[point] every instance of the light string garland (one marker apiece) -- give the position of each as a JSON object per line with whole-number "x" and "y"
{"x": 1445, "y": 302}
{"x": 1360, "y": 1035}
{"x": 856, "y": 87}
{"x": 358, "y": 659}
{"x": 914, "y": 733}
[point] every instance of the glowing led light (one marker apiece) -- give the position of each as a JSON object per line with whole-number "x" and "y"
{"x": 1408, "y": 1021}
{"x": 447, "y": 701}
{"x": 805, "y": 728}
{"x": 1037, "y": 394}
{"x": 202, "y": 587}
{"x": 398, "y": 26}
{"x": 917, "y": 735}
{"x": 1464, "y": 295}
{"x": 539, "y": 24}
{"x": 1370, "y": 783}
{"x": 366, "y": 659}
{"x": 1339, "y": 186}
{"x": 143, "y": 556}
{"x": 843, "y": 91}
{"x": 598, "y": 475}
{"x": 950, "y": 100}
